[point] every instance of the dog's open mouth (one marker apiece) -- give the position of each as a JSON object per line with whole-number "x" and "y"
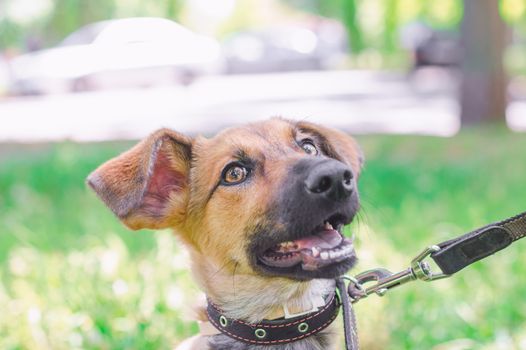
{"x": 324, "y": 247}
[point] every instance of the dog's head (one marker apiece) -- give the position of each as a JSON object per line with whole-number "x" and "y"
{"x": 268, "y": 199}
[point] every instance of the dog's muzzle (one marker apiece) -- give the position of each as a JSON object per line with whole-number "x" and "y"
{"x": 305, "y": 237}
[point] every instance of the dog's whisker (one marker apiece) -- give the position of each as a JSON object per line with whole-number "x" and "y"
{"x": 213, "y": 275}
{"x": 362, "y": 217}
{"x": 363, "y": 221}
{"x": 234, "y": 278}
{"x": 368, "y": 202}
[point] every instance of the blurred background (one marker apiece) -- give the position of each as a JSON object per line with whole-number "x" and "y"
{"x": 434, "y": 90}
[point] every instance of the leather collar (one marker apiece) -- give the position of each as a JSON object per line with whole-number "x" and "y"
{"x": 278, "y": 331}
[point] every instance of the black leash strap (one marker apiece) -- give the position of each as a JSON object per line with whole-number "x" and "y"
{"x": 460, "y": 252}
{"x": 349, "y": 319}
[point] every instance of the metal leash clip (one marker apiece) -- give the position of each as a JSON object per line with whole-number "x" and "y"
{"x": 386, "y": 280}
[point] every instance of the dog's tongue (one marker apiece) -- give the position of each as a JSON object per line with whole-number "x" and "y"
{"x": 325, "y": 239}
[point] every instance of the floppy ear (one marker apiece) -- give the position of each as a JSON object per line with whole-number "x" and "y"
{"x": 337, "y": 144}
{"x": 147, "y": 186}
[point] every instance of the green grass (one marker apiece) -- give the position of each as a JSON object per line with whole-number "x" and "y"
{"x": 71, "y": 277}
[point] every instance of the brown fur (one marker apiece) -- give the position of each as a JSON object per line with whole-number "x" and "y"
{"x": 171, "y": 180}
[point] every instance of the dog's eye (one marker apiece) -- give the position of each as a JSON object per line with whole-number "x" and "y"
{"x": 234, "y": 173}
{"x": 309, "y": 147}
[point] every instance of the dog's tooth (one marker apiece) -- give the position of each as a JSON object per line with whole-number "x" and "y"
{"x": 315, "y": 252}
{"x": 324, "y": 255}
{"x": 332, "y": 255}
{"x": 283, "y": 246}
{"x": 328, "y": 226}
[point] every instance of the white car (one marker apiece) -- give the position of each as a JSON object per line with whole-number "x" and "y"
{"x": 127, "y": 52}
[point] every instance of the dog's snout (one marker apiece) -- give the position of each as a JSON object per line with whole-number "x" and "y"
{"x": 333, "y": 180}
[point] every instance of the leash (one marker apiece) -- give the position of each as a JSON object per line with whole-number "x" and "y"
{"x": 349, "y": 319}
{"x": 450, "y": 256}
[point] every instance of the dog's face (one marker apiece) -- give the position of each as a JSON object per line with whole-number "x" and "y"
{"x": 268, "y": 199}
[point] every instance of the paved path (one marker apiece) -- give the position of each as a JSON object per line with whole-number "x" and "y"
{"x": 355, "y": 101}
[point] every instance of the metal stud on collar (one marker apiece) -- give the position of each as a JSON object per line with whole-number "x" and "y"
{"x": 223, "y": 321}
{"x": 260, "y": 333}
{"x": 303, "y": 327}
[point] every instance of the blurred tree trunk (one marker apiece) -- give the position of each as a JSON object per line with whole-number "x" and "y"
{"x": 350, "y": 20}
{"x": 483, "y": 91}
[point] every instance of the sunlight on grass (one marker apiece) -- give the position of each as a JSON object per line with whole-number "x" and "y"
{"x": 98, "y": 297}
{"x": 73, "y": 278}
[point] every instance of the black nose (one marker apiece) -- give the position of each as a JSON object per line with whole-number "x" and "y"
{"x": 333, "y": 180}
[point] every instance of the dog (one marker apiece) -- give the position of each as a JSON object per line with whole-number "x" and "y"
{"x": 260, "y": 207}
